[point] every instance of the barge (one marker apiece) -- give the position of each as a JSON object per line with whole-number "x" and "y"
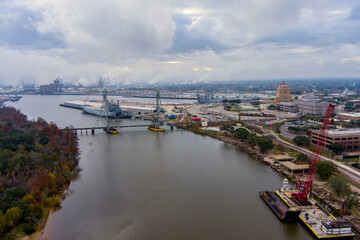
{"x": 317, "y": 219}
{"x": 281, "y": 210}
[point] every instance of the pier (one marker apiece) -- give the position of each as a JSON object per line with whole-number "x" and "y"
{"x": 116, "y": 123}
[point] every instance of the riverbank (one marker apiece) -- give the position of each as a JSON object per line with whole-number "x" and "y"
{"x": 39, "y": 160}
{"x": 320, "y": 192}
{"x": 38, "y": 235}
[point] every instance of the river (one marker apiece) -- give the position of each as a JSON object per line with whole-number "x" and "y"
{"x": 174, "y": 185}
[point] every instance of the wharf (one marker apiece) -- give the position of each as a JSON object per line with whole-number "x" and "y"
{"x": 317, "y": 219}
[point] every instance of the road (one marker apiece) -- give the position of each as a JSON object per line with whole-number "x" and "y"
{"x": 352, "y": 173}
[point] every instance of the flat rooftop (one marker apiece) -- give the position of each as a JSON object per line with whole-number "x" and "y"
{"x": 292, "y": 166}
{"x": 342, "y": 132}
{"x": 287, "y": 103}
{"x": 283, "y": 157}
{"x": 350, "y": 114}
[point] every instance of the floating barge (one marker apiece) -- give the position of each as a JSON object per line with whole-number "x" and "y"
{"x": 281, "y": 210}
{"x": 316, "y": 218}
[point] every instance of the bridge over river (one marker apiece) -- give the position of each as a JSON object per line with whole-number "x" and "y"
{"x": 114, "y": 124}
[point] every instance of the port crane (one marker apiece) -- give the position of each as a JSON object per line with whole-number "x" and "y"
{"x": 304, "y": 188}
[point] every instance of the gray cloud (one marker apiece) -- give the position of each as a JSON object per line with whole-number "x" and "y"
{"x": 159, "y": 40}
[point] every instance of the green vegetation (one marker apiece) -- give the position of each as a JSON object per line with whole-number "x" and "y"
{"x": 326, "y": 169}
{"x": 299, "y": 129}
{"x": 252, "y": 139}
{"x": 231, "y": 101}
{"x": 277, "y": 127}
{"x": 336, "y": 148}
{"x": 301, "y": 141}
{"x": 227, "y": 128}
{"x": 37, "y": 161}
{"x": 301, "y": 157}
{"x": 255, "y": 103}
{"x": 272, "y": 107}
{"x": 339, "y": 184}
{"x": 350, "y": 106}
{"x": 263, "y": 142}
{"x": 311, "y": 117}
{"x": 241, "y": 133}
{"x": 352, "y": 200}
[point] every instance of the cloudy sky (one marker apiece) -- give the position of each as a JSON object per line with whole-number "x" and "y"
{"x": 151, "y": 41}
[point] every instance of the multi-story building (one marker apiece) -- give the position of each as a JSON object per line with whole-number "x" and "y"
{"x": 288, "y": 107}
{"x": 312, "y": 108}
{"x": 304, "y": 107}
{"x": 349, "y": 138}
{"x": 282, "y": 93}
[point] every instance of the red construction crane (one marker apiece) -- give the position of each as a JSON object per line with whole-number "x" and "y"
{"x": 304, "y": 188}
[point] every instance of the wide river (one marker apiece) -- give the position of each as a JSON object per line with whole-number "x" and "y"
{"x": 173, "y": 185}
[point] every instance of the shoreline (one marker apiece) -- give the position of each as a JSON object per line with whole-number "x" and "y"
{"x": 319, "y": 192}
{"x": 39, "y": 233}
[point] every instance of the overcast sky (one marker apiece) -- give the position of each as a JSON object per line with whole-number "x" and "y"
{"x": 151, "y": 41}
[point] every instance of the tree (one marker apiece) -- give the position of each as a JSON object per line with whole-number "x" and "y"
{"x": 227, "y": 128}
{"x": 336, "y": 148}
{"x": 2, "y": 223}
{"x": 301, "y": 141}
{"x": 272, "y": 107}
{"x": 12, "y": 216}
{"x": 326, "y": 169}
{"x": 235, "y": 101}
{"x": 352, "y": 200}
{"x": 238, "y": 108}
{"x": 255, "y": 103}
{"x": 265, "y": 144}
{"x": 339, "y": 184}
{"x": 252, "y": 139}
{"x": 227, "y": 107}
{"x": 301, "y": 157}
{"x": 28, "y": 229}
{"x": 241, "y": 133}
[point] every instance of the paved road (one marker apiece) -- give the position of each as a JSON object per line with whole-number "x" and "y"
{"x": 352, "y": 173}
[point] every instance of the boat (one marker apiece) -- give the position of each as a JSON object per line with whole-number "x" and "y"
{"x": 155, "y": 129}
{"x": 111, "y": 131}
{"x": 106, "y": 109}
{"x": 114, "y": 111}
{"x": 76, "y": 104}
{"x": 281, "y": 210}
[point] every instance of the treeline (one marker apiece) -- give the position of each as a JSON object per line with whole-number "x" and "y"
{"x": 37, "y": 161}
{"x": 263, "y": 142}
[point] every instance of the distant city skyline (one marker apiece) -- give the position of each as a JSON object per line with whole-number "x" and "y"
{"x": 171, "y": 41}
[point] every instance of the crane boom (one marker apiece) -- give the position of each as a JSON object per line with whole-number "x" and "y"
{"x": 304, "y": 188}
